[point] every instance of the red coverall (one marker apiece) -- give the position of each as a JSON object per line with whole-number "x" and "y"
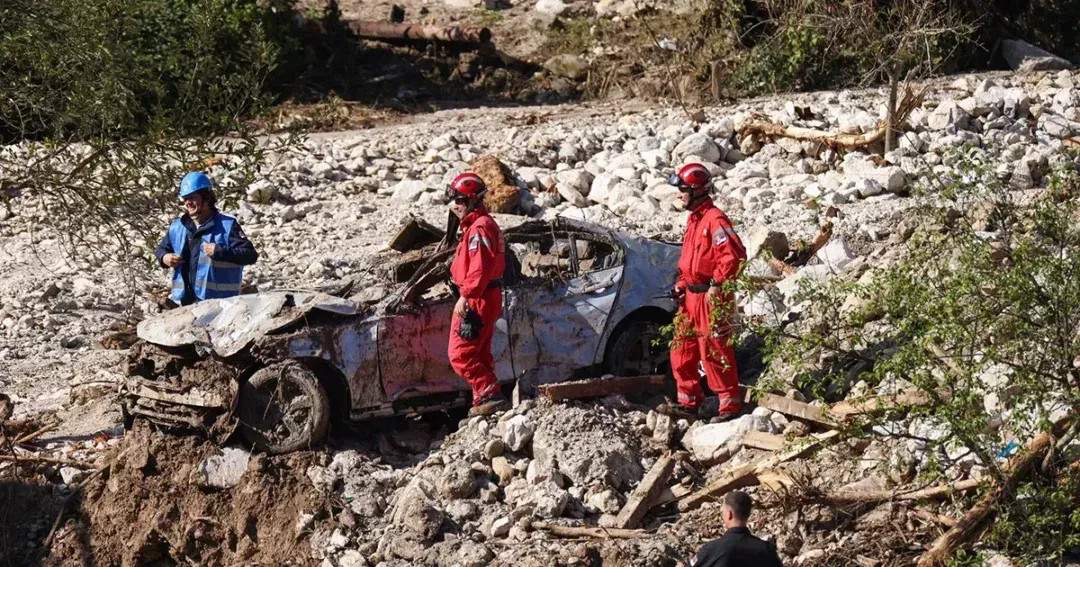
{"x": 711, "y": 252}
{"x": 479, "y": 260}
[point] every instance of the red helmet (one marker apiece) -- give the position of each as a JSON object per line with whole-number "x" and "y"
{"x": 466, "y": 185}
{"x": 693, "y": 177}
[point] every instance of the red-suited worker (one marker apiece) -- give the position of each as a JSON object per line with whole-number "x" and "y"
{"x": 712, "y": 257}
{"x": 477, "y": 272}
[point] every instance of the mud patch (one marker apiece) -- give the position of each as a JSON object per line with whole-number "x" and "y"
{"x": 147, "y": 508}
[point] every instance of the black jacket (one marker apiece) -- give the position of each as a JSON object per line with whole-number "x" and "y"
{"x": 737, "y": 548}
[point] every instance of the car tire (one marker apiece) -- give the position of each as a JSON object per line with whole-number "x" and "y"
{"x": 283, "y": 408}
{"x": 634, "y": 350}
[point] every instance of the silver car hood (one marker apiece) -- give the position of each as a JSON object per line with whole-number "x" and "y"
{"x": 228, "y": 325}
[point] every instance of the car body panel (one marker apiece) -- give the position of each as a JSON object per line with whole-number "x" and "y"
{"x": 393, "y": 350}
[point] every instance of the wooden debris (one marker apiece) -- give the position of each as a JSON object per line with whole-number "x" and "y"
{"x": 784, "y": 268}
{"x": 589, "y": 388}
{"x": 412, "y": 32}
{"x": 969, "y": 524}
{"x": 415, "y": 234}
{"x": 31, "y": 436}
{"x": 670, "y": 494}
{"x": 935, "y": 492}
{"x": 645, "y": 493}
{"x": 603, "y": 533}
{"x": 748, "y": 474}
{"x": 934, "y": 517}
{"x": 763, "y": 440}
{"x": 30, "y": 459}
{"x": 776, "y": 482}
{"x": 795, "y": 408}
{"x": 763, "y": 126}
{"x": 850, "y": 408}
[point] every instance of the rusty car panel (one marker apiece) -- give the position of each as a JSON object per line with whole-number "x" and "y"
{"x": 569, "y": 286}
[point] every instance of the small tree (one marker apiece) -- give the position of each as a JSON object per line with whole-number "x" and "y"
{"x": 103, "y": 125}
{"x": 981, "y": 314}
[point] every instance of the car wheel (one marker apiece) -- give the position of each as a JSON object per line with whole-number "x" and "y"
{"x": 638, "y": 349}
{"x": 283, "y": 407}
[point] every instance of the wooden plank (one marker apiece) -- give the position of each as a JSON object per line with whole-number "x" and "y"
{"x": 763, "y": 440}
{"x": 795, "y": 408}
{"x": 849, "y": 408}
{"x": 589, "y": 388}
{"x": 603, "y": 533}
{"x": 747, "y": 474}
{"x": 776, "y": 481}
{"x": 645, "y": 493}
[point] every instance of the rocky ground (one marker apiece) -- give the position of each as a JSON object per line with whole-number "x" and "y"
{"x": 440, "y": 491}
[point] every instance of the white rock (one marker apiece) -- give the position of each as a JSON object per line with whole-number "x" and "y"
{"x": 70, "y": 474}
{"x": 224, "y": 470}
{"x": 579, "y": 179}
{"x": 710, "y": 442}
{"x": 698, "y": 145}
{"x": 1055, "y": 125}
{"x": 601, "y": 187}
{"x": 570, "y": 194}
{"x": 500, "y": 527}
{"x": 835, "y": 254}
{"x": 262, "y": 192}
{"x": 408, "y": 191}
{"x": 517, "y": 432}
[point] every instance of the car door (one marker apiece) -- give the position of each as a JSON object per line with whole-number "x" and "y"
{"x": 567, "y": 307}
{"x": 413, "y": 342}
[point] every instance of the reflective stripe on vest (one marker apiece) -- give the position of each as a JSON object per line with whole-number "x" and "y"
{"x": 213, "y": 279}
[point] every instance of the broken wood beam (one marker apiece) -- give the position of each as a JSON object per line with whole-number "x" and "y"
{"x": 603, "y": 533}
{"x": 934, "y": 517}
{"x": 972, "y": 521}
{"x": 30, "y": 459}
{"x": 935, "y": 492}
{"x": 645, "y": 493}
{"x": 748, "y": 474}
{"x": 412, "y": 32}
{"x": 849, "y": 408}
{"x": 589, "y": 388}
{"x": 795, "y": 408}
{"x": 763, "y": 440}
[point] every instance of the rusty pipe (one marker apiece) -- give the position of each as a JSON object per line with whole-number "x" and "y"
{"x": 384, "y": 30}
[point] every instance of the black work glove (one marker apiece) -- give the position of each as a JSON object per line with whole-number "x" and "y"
{"x": 470, "y": 326}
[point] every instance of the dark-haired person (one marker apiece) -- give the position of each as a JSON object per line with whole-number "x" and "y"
{"x": 737, "y": 547}
{"x": 206, "y": 248}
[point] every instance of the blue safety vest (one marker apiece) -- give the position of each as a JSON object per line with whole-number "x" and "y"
{"x": 213, "y": 279}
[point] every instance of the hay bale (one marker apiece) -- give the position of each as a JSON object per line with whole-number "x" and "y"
{"x": 502, "y": 192}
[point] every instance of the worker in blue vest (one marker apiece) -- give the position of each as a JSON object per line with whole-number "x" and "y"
{"x": 205, "y": 248}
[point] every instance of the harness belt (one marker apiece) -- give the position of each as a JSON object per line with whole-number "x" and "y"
{"x": 702, "y": 287}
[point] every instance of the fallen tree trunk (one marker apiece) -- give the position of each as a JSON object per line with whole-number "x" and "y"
{"x": 969, "y": 524}
{"x": 603, "y": 533}
{"x": 764, "y": 127}
{"x": 411, "y": 32}
{"x": 590, "y": 388}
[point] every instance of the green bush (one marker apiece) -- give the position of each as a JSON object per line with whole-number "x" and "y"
{"x": 127, "y": 66}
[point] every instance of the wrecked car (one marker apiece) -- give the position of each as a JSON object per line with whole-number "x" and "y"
{"x": 281, "y": 366}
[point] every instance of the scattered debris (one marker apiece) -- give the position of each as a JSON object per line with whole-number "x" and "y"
{"x": 591, "y": 388}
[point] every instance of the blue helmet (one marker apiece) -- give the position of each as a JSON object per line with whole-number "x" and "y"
{"x": 194, "y": 182}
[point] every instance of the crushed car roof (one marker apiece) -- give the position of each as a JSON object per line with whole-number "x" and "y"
{"x": 227, "y": 325}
